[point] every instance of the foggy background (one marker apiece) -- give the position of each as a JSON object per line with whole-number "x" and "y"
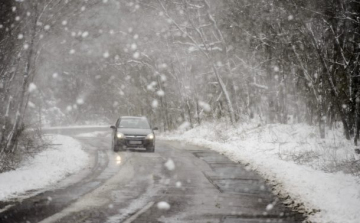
{"x": 67, "y": 62}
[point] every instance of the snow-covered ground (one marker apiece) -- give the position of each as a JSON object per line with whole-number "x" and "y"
{"x": 45, "y": 169}
{"x": 94, "y": 134}
{"x": 77, "y": 127}
{"x": 300, "y": 165}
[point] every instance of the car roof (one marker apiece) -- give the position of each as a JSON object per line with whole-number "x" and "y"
{"x": 140, "y": 117}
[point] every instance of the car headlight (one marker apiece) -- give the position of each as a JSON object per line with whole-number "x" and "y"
{"x": 119, "y": 135}
{"x": 150, "y": 136}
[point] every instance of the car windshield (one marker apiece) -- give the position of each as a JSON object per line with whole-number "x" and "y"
{"x": 134, "y": 123}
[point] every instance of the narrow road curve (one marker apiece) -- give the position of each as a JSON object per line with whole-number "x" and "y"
{"x": 203, "y": 187}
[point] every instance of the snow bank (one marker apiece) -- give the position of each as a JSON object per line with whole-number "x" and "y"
{"x": 45, "y": 169}
{"x": 94, "y": 134}
{"x": 293, "y": 158}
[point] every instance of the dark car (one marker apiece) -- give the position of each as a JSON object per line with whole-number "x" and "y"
{"x": 133, "y": 132}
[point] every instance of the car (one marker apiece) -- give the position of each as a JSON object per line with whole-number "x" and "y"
{"x": 133, "y": 132}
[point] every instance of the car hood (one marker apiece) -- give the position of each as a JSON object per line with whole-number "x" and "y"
{"x": 134, "y": 131}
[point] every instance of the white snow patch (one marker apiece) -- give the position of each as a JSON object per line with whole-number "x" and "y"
{"x": 45, "y": 169}
{"x": 94, "y": 134}
{"x": 184, "y": 126}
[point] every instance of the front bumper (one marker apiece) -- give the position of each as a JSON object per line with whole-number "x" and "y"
{"x": 135, "y": 143}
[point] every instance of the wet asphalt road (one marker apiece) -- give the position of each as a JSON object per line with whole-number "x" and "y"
{"x": 204, "y": 187}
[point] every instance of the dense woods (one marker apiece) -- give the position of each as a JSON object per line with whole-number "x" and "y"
{"x": 179, "y": 63}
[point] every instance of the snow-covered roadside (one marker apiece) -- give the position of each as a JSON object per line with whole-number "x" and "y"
{"x": 45, "y": 169}
{"x": 77, "y": 127}
{"x": 273, "y": 149}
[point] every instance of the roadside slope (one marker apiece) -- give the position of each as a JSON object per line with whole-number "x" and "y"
{"x": 62, "y": 159}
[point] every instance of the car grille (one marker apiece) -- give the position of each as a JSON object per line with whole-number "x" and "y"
{"x": 135, "y": 137}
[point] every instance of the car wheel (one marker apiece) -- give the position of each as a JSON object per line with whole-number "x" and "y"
{"x": 150, "y": 149}
{"x": 114, "y": 147}
{"x": 123, "y": 148}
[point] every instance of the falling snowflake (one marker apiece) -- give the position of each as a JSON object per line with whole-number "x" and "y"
{"x": 170, "y": 165}
{"x": 162, "y": 205}
{"x": 155, "y": 104}
{"x": 269, "y": 207}
{"x": 178, "y": 184}
{"x": 80, "y": 101}
{"x": 84, "y": 34}
{"x": 205, "y": 106}
{"x": 160, "y": 93}
{"x": 32, "y": 87}
{"x": 163, "y": 78}
{"x": 106, "y": 54}
{"x": 136, "y": 55}
{"x": 31, "y": 105}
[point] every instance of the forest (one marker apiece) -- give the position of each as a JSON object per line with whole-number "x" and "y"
{"x": 177, "y": 62}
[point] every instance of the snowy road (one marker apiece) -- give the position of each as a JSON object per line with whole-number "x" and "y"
{"x": 177, "y": 183}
